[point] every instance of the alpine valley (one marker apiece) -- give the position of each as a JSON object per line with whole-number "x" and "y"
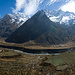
{"x": 43, "y": 44}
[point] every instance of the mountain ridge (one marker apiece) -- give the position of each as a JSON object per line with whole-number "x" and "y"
{"x": 10, "y": 22}
{"x": 66, "y": 18}
{"x": 40, "y": 29}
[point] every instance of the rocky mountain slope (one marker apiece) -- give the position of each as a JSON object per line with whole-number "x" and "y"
{"x": 42, "y": 30}
{"x": 10, "y": 22}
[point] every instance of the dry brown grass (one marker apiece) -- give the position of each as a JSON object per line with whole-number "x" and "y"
{"x": 23, "y": 65}
{"x": 32, "y": 45}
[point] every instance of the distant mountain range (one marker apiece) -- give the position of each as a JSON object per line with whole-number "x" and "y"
{"x": 65, "y": 18}
{"x": 46, "y": 27}
{"x": 10, "y": 22}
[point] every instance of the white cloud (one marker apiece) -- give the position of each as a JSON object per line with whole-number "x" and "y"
{"x": 32, "y": 6}
{"x": 29, "y": 7}
{"x": 70, "y": 6}
{"x": 52, "y": 1}
{"x": 19, "y": 5}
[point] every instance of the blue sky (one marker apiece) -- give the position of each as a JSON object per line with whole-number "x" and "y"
{"x": 5, "y": 6}
{"x": 30, "y": 7}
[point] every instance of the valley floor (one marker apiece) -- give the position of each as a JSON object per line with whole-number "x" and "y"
{"x": 18, "y": 63}
{"x": 27, "y": 64}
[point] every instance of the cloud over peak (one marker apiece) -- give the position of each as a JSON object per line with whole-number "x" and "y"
{"x": 69, "y": 6}
{"x": 19, "y": 5}
{"x": 30, "y": 7}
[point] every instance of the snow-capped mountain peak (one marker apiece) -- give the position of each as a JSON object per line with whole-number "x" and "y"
{"x": 10, "y": 22}
{"x": 19, "y": 18}
{"x": 67, "y": 18}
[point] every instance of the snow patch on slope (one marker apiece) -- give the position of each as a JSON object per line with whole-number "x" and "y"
{"x": 60, "y": 16}
{"x": 54, "y": 19}
{"x": 65, "y": 19}
{"x": 19, "y": 18}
